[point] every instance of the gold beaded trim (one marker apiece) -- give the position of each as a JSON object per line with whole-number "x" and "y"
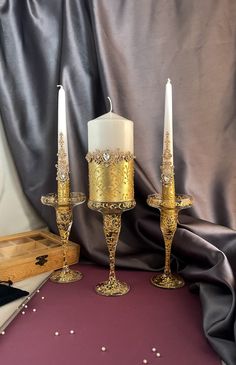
{"x": 108, "y": 206}
{"x": 107, "y": 157}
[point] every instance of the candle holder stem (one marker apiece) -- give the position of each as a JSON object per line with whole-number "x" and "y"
{"x": 168, "y": 228}
{"x": 65, "y": 249}
{"x": 111, "y": 227}
{"x": 64, "y": 221}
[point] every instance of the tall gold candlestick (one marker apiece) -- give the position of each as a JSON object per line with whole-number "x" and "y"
{"x": 64, "y": 200}
{"x": 168, "y": 202}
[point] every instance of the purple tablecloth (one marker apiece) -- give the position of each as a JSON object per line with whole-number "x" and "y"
{"x": 129, "y": 326}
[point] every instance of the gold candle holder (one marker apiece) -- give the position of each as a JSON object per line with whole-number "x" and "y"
{"x": 169, "y": 205}
{"x": 64, "y": 202}
{"x": 111, "y": 192}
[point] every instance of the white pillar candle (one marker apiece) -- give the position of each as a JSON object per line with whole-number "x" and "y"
{"x": 168, "y": 119}
{"x": 62, "y": 127}
{"x": 110, "y": 132}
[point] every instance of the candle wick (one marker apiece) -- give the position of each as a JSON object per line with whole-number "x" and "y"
{"x": 60, "y": 86}
{"x": 168, "y": 80}
{"x": 110, "y": 103}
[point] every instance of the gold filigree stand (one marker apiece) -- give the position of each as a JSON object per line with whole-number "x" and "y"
{"x": 111, "y": 192}
{"x": 168, "y": 224}
{"x": 64, "y": 221}
{"x": 169, "y": 205}
{"x": 111, "y": 226}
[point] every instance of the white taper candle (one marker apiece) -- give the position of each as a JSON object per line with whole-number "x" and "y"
{"x": 168, "y": 118}
{"x": 62, "y": 125}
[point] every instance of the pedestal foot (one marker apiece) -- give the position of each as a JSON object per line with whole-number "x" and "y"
{"x": 66, "y": 275}
{"x": 112, "y": 288}
{"x": 168, "y": 281}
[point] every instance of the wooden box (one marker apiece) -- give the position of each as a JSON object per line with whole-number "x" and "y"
{"x": 31, "y": 253}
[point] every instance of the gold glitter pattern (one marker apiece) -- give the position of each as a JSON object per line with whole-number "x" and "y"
{"x": 113, "y": 182}
{"x": 111, "y": 227}
{"x": 167, "y": 176}
{"x": 63, "y": 180}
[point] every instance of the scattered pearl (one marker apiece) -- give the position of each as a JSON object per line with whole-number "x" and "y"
{"x": 38, "y": 291}
{"x": 145, "y": 361}
{"x": 28, "y": 298}
{"x": 43, "y": 298}
{"x": 34, "y": 310}
{"x": 154, "y": 349}
{"x": 3, "y": 332}
{"x": 72, "y": 332}
{"x": 158, "y": 354}
{"x": 103, "y": 348}
{"x": 23, "y": 312}
{"x": 56, "y": 333}
{"x": 26, "y": 306}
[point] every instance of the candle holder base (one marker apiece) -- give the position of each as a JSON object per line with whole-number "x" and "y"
{"x": 65, "y": 275}
{"x": 168, "y": 281}
{"x": 112, "y": 288}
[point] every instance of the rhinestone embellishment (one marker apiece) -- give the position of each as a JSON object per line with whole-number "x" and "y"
{"x": 106, "y": 156}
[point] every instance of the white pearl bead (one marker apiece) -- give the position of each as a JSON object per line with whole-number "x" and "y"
{"x": 38, "y": 291}
{"x": 154, "y": 349}
{"x": 43, "y": 298}
{"x": 3, "y": 332}
{"x": 158, "y": 354}
{"x": 56, "y": 333}
{"x": 26, "y": 306}
{"x": 145, "y": 361}
{"x": 103, "y": 348}
{"x": 72, "y": 332}
{"x": 34, "y": 310}
{"x": 23, "y": 312}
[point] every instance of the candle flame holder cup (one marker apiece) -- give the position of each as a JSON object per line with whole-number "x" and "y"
{"x": 168, "y": 225}
{"x": 64, "y": 219}
{"x": 111, "y": 189}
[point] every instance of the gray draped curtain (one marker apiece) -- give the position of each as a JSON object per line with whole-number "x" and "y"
{"x": 127, "y": 50}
